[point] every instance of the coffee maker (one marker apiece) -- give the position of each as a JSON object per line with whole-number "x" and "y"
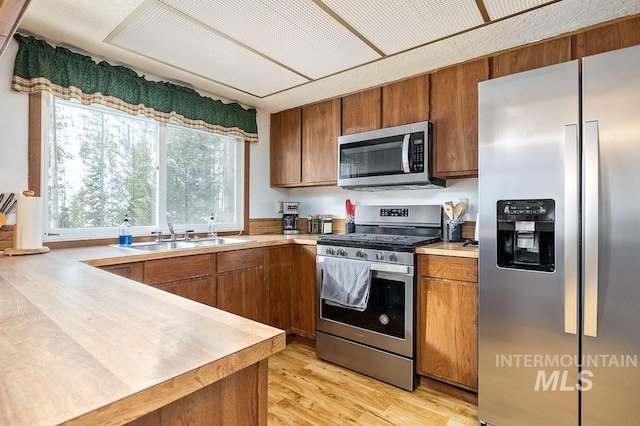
{"x": 526, "y": 234}
{"x": 290, "y": 217}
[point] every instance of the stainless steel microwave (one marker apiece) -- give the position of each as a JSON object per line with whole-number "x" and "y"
{"x": 392, "y": 158}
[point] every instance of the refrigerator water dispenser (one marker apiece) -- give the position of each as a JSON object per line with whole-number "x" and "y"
{"x": 526, "y": 234}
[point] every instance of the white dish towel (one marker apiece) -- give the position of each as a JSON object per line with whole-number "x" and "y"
{"x": 346, "y": 283}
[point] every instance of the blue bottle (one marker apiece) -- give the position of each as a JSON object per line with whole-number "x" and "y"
{"x": 125, "y": 233}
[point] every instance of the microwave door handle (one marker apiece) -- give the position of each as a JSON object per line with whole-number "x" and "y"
{"x": 405, "y": 153}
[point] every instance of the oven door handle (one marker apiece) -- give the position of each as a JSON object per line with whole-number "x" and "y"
{"x": 381, "y": 267}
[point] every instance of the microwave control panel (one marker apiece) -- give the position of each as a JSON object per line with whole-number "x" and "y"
{"x": 417, "y": 144}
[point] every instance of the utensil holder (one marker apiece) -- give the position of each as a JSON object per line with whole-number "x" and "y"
{"x": 454, "y": 230}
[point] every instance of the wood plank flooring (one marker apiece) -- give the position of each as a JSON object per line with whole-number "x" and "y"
{"x": 304, "y": 390}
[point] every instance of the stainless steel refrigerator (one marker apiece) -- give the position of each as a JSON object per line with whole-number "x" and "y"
{"x": 559, "y": 230}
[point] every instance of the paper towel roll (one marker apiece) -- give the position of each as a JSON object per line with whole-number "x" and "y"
{"x": 29, "y": 223}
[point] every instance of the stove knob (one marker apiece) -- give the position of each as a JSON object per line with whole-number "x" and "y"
{"x": 361, "y": 254}
{"x": 341, "y": 252}
{"x": 329, "y": 251}
{"x": 380, "y": 255}
{"x": 393, "y": 257}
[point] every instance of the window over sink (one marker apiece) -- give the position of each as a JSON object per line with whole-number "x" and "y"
{"x": 99, "y": 164}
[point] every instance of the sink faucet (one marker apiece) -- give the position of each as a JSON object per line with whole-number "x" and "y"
{"x": 171, "y": 231}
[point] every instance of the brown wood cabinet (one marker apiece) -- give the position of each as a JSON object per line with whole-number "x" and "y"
{"x": 286, "y": 147}
{"x": 405, "y": 101}
{"x": 447, "y": 319}
{"x": 361, "y": 111}
{"x": 304, "y": 143}
{"x": 133, "y": 271}
{"x": 454, "y": 113}
{"x": 303, "y": 292}
{"x": 279, "y": 266}
{"x": 610, "y": 37}
{"x": 320, "y": 131}
{"x": 192, "y": 277}
{"x": 242, "y": 288}
{"x": 531, "y": 57}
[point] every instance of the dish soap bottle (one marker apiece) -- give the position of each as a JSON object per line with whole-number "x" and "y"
{"x": 125, "y": 232}
{"x": 213, "y": 229}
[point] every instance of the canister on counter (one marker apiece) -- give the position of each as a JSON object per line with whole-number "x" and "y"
{"x": 327, "y": 224}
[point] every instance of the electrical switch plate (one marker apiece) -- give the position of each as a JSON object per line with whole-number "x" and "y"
{"x": 278, "y": 206}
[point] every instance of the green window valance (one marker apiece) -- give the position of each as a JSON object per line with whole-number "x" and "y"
{"x": 41, "y": 66}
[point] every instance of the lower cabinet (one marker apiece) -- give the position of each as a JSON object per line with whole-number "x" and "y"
{"x": 192, "y": 277}
{"x": 303, "y": 292}
{"x": 242, "y": 288}
{"x": 133, "y": 271}
{"x": 273, "y": 285}
{"x": 448, "y": 319}
{"x": 280, "y": 261}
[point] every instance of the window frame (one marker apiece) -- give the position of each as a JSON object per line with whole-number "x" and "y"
{"x": 38, "y": 154}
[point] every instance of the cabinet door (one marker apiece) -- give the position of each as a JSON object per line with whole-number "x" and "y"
{"x": 244, "y": 293}
{"x": 610, "y": 37}
{"x": 286, "y": 147}
{"x": 361, "y": 111}
{"x": 303, "y": 292}
{"x": 178, "y": 268}
{"x": 279, "y": 266}
{"x": 454, "y": 113}
{"x": 531, "y": 57}
{"x": 447, "y": 331}
{"x": 320, "y": 131}
{"x": 133, "y": 271}
{"x": 405, "y": 101}
{"x": 201, "y": 290}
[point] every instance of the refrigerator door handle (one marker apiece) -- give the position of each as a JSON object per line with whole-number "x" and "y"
{"x": 591, "y": 190}
{"x": 571, "y": 226}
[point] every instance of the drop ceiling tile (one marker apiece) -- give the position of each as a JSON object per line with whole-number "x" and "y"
{"x": 397, "y": 25}
{"x": 298, "y": 34}
{"x": 157, "y": 32}
{"x": 501, "y": 8}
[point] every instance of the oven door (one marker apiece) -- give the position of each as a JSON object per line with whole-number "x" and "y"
{"x": 386, "y": 323}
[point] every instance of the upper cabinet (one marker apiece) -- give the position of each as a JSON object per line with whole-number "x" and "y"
{"x": 10, "y": 15}
{"x": 361, "y": 111}
{"x": 610, "y": 37}
{"x": 454, "y": 114}
{"x": 320, "y": 131}
{"x": 405, "y": 101}
{"x": 531, "y": 57}
{"x": 286, "y": 147}
{"x": 304, "y": 145}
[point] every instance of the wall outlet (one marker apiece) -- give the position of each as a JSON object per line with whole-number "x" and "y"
{"x": 278, "y": 206}
{"x": 464, "y": 201}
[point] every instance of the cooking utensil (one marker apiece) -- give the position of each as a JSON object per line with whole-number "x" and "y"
{"x": 459, "y": 210}
{"x": 448, "y": 209}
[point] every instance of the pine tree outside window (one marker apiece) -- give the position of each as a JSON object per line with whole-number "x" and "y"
{"x": 100, "y": 164}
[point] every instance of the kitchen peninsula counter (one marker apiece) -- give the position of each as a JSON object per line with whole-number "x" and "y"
{"x": 83, "y": 346}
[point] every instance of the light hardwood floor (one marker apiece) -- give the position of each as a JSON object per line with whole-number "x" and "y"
{"x": 304, "y": 390}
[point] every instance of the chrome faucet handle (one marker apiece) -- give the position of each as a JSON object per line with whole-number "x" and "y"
{"x": 187, "y": 234}
{"x": 171, "y": 230}
{"x": 158, "y": 235}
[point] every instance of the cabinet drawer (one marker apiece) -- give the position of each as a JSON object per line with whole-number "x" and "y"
{"x": 240, "y": 259}
{"x": 177, "y": 268}
{"x": 449, "y": 267}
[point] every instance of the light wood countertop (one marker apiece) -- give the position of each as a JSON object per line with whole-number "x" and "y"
{"x": 84, "y": 346}
{"x": 449, "y": 249}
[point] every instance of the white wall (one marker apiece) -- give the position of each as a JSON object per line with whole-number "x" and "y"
{"x": 331, "y": 200}
{"x": 14, "y": 127}
{"x": 262, "y": 198}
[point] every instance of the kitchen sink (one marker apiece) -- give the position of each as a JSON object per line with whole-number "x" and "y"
{"x": 177, "y": 245}
{"x": 218, "y": 241}
{"x": 165, "y": 245}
